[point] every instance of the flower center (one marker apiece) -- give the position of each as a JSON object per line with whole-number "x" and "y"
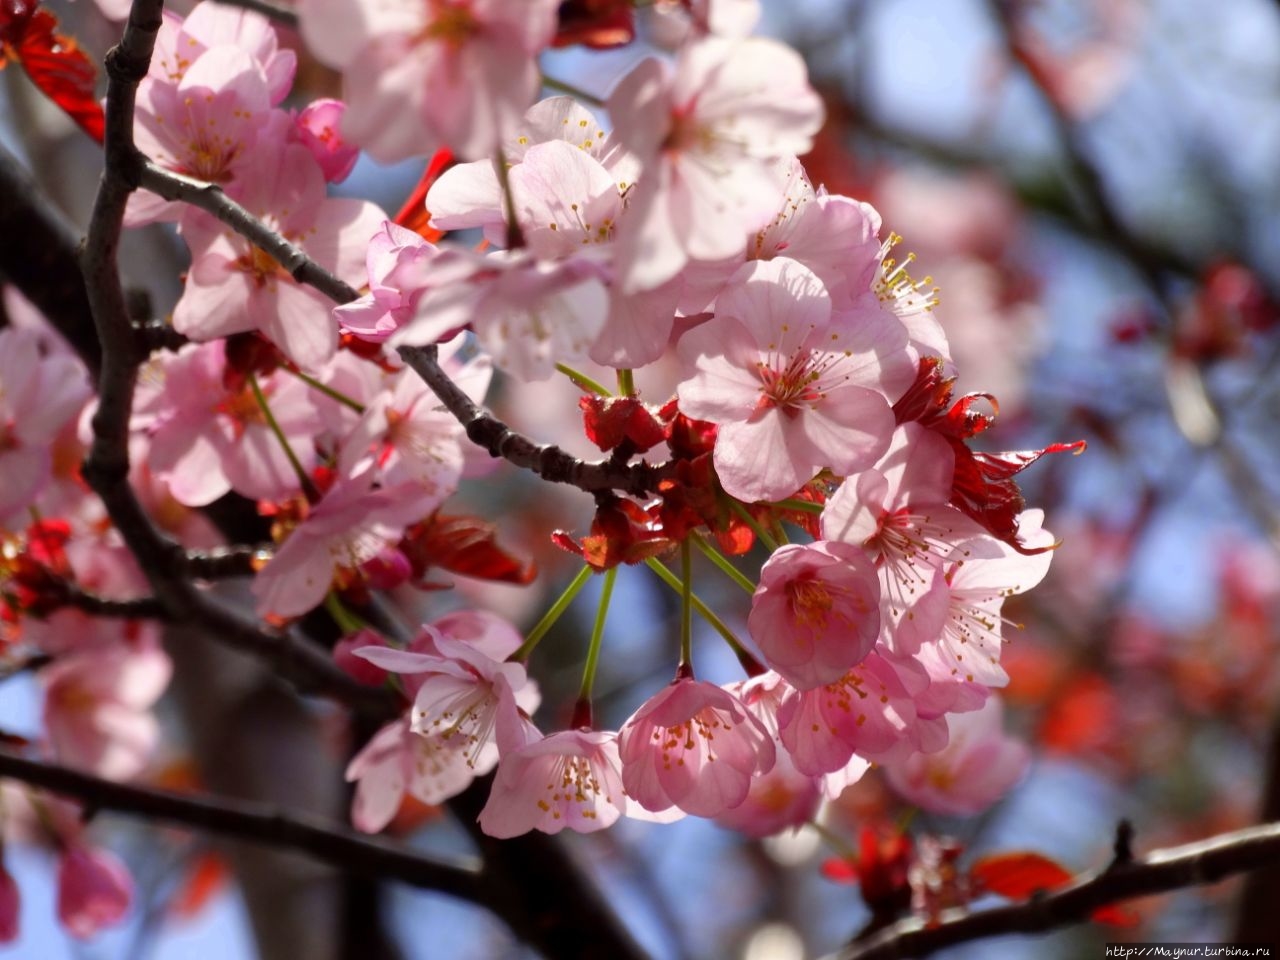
{"x": 811, "y": 603}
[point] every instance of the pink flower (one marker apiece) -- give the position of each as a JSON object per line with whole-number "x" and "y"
{"x": 10, "y": 906}
{"x": 527, "y": 313}
{"x": 180, "y": 43}
{"x": 707, "y": 134}
{"x": 461, "y": 694}
{"x": 395, "y": 761}
{"x": 693, "y": 746}
{"x": 816, "y": 612}
{"x": 419, "y": 75}
{"x": 317, "y": 129}
{"x": 202, "y": 125}
{"x": 784, "y": 797}
{"x": 410, "y": 436}
{"x": 977, "y": 767}
{"x": 208, "y": 437}
{"x": 352, "y": 524}
{"x": 960, "y": 614}
{"x": 94, "y": 890}
{"x": 396, "y": 261}
{"x": 233, "y": 286}
{"x": 39, "y": 395}
{"x": 97, "y": 710}
{"x": 792, "y": 390}
{"x": 870, "y": 711}
{"x": 571, "y": 779}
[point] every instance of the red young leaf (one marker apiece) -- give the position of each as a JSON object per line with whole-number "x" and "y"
{"x": 54, "y": 62}
{"x": 206, "y": 875}
{"x": 414, "y": 215}
{"x": 1018, "y": 875}
{"x": 599, "y": 24}
{"x": 1021, "y": 874}
{"x": 463, "y": 545}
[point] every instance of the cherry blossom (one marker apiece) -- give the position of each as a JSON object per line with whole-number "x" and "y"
{"x": 454, "y": 73}
{"x": 98, "y": 708}
{"x": 978, "y": 766}
{"x": 567, "y": 780}
{"x": 39, "y": 395}
{"x": 693, "y": 746}
{"x": 10, "y": 906}
{"x": 706, "y": 133}
{"x": 397, "y": 761}
{"x": 816, "y": 613}
{"x": 318, "y": 128}
{"x": 181, "y": 42}
{"x": 793, "y": 391}
{"x": 234, "y": 286}
{"x": 350, "y": 525}
{"x": 784, "y": 797}
{"x": 95, "y": 889}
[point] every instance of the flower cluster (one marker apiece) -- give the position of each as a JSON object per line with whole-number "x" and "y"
{"x": 813, "y": 394}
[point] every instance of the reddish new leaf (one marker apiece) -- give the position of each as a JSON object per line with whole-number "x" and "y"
{"x": 599, "y": 24}
{"x": 414, "y": 215}
{"x": 464, "y": 545}
{"x": 205, "y": 876}
{"x": 54, "y": 62}
{"x": 1021, "y": 874}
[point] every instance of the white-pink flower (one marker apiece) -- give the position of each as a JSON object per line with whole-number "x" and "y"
{"x": 234, "y": 286}
{"x": 707, "y": 134}
{"x": 816, "y": 612}
{"x": 793, "y": 390}
{"x": 976, "y": 768}
{"x": 693, "y": 746}
{"x": 39, "y": 395}
{"x": 352, "y": 524}
{"x": 420, "y": 75}
{"x": 870, "y": 711}
{"x": 318, "y": 128}
{"x": 97, "y": 709}
{"x": 567, "y": 780}
{"x": 397, "y": 761}
{"x": 180, "y": 43}
{"x": 208, "y": 436}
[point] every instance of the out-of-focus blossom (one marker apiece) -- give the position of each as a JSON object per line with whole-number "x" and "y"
{"x": 95, "y": 890}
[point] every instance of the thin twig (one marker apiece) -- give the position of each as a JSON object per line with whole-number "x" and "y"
{"x": 1160, "y": 871}
{"x": 256, "y": 822}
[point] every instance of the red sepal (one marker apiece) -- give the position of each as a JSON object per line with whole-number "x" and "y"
{"x": 611, "y": 420}
{"x": 54, "y": 62}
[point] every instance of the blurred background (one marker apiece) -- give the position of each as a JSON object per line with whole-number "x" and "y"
{"x": 1094, "y": 187}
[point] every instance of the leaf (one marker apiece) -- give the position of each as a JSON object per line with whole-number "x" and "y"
{"x": 54, "y": 62}
{"x": 464, "y": 545}
{"x": 414, "y": 215}
{"x": 205, "y": 876}
{"x": 1021, "y": 874}
{"x": 1018, "y": 875}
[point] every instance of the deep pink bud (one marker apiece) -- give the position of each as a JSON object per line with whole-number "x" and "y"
{"x": 358, "y": 667}
{"x": 94, "y": 890}
{"x": 317, "y": 128}
{"x": 10, "y": 904}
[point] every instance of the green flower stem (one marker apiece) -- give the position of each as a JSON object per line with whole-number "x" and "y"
{"x": 686, "y": 608}
{"x": 347, "y": 621}
{"x": 551, "y": 83}
{"x": 597, "y": 635}
{"x": 583, "y": 382}
{"x": 327, "y": 390}
{"x": 515, "y": 238}
{"x": 626, "y": 383}
{"x": 721, "y": 561}
{"x": 761, "y": 533}
{"x": 308, "y": 487}
{"x": 720, "y": 627}
{"x": 802, "y": 506}
{"x": 549, "y": 619}
{"x": 839, "y": 846}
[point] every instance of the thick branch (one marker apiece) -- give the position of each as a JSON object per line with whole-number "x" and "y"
{"x": 1158, "y": 872}
{"x": 255, "y": 822}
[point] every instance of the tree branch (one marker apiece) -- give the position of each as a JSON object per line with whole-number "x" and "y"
{"x": 1160, "y": 871}
{"x": 255, "y": 822}
{"x": 281, "y": 15}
